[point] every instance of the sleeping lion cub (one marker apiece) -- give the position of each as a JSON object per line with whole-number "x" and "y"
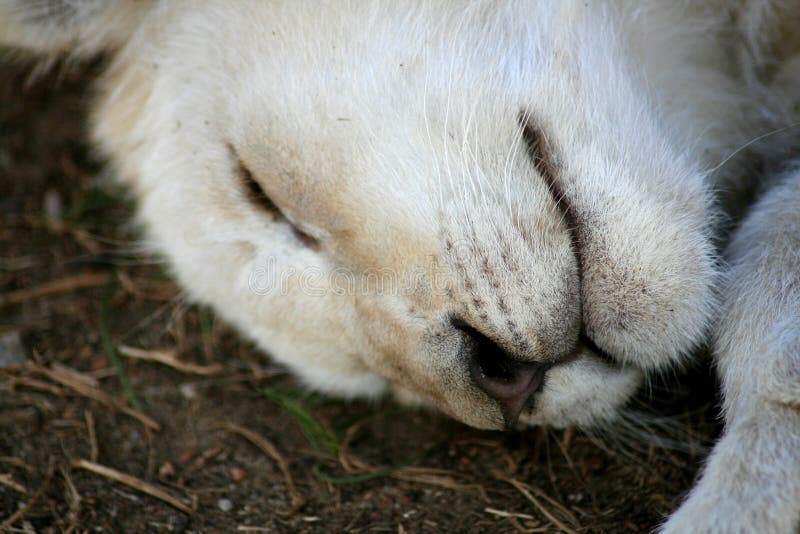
{"x": 512, "y": 210}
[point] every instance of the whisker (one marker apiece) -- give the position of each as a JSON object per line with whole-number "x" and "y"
{"x": 751, "y": 143}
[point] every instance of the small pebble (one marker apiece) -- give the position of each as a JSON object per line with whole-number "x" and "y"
{"x": 99, "y": 363}
{"x": 225, "y": 505}
{"x": 11, "y": 351}
{"x": 166, "y": 470}
{"x": 188, "y": 391}
{"x": 52, "y": 205}
{"x": 187, "y": 456}
{"x": 238, "y": 474}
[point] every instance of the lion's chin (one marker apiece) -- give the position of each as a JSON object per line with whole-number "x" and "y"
{"x": 584, "y": 392}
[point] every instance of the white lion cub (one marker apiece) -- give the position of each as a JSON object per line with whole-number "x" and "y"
{"x": 506, "y": 209}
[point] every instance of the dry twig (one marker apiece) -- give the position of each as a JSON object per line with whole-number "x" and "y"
{"x": 54, "y": 287}
{"x": 92, "y": 435}
{"x": 133, "y": 482}
{"x": 270, "y": 450}
{"x": 527, "y": 492}
{"x": 81, "y": 387}
{"x": 17, "y": 462}
{"x": 39, "y": 385}
{"x": 442, "y": 478}
{"x": 503, "y": 513}
{"x": 168, "y": 358}
{"x": 63, "y": 370}
{"x": 19, "y": 514}
{"x": 74, "y": 499}
{"x": 7, "y": 479}
{"x": 158, "y": 290}
{"x": 434, "y": 477}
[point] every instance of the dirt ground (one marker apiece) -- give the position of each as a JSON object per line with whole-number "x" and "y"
{"x": 214, "y": 437}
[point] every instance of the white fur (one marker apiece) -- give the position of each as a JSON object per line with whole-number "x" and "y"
{"x": 391, "y": 134}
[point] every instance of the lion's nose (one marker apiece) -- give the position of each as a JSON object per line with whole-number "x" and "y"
{"x": 509, "y": 381}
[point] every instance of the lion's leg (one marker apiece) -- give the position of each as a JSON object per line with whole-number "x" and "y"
{"x": 751, "y": 482}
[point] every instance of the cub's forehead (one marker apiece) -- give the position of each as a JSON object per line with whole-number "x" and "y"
{"x": 315, "y": 50}
{"x": 402, "y": 110}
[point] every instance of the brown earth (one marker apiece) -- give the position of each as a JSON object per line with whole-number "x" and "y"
{"x": 72, "y": 275}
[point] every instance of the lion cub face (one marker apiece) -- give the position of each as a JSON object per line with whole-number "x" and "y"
{"x": 474, "y": 209}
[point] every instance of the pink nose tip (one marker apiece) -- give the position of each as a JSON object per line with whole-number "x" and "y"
{"x": 509, "y": 381}
{"x": 513, "y": 387}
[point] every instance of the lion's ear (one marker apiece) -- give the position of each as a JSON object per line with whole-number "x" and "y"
{"x": 74, "y": 27}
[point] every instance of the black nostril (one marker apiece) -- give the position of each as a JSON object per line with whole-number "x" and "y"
{"x": 510, "y": 381}
{"x": 493, "y": 362}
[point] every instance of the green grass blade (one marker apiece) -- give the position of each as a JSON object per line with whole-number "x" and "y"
{"x": 206, "y": 324}
{"x": 108, "y": 346}
{"x": 318, "y": 436}
{"x": 355, "y": 479}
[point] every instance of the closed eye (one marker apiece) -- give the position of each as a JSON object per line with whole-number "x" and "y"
{"x": 542, "y": 156}
{"x": 259, "y": 199}
{"x": 546, "y": 164}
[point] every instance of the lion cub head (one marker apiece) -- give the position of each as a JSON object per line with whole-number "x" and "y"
{"x": 472, "y": 207}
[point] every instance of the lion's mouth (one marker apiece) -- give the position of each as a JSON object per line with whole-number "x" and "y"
{"x": 587, "y": 343}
